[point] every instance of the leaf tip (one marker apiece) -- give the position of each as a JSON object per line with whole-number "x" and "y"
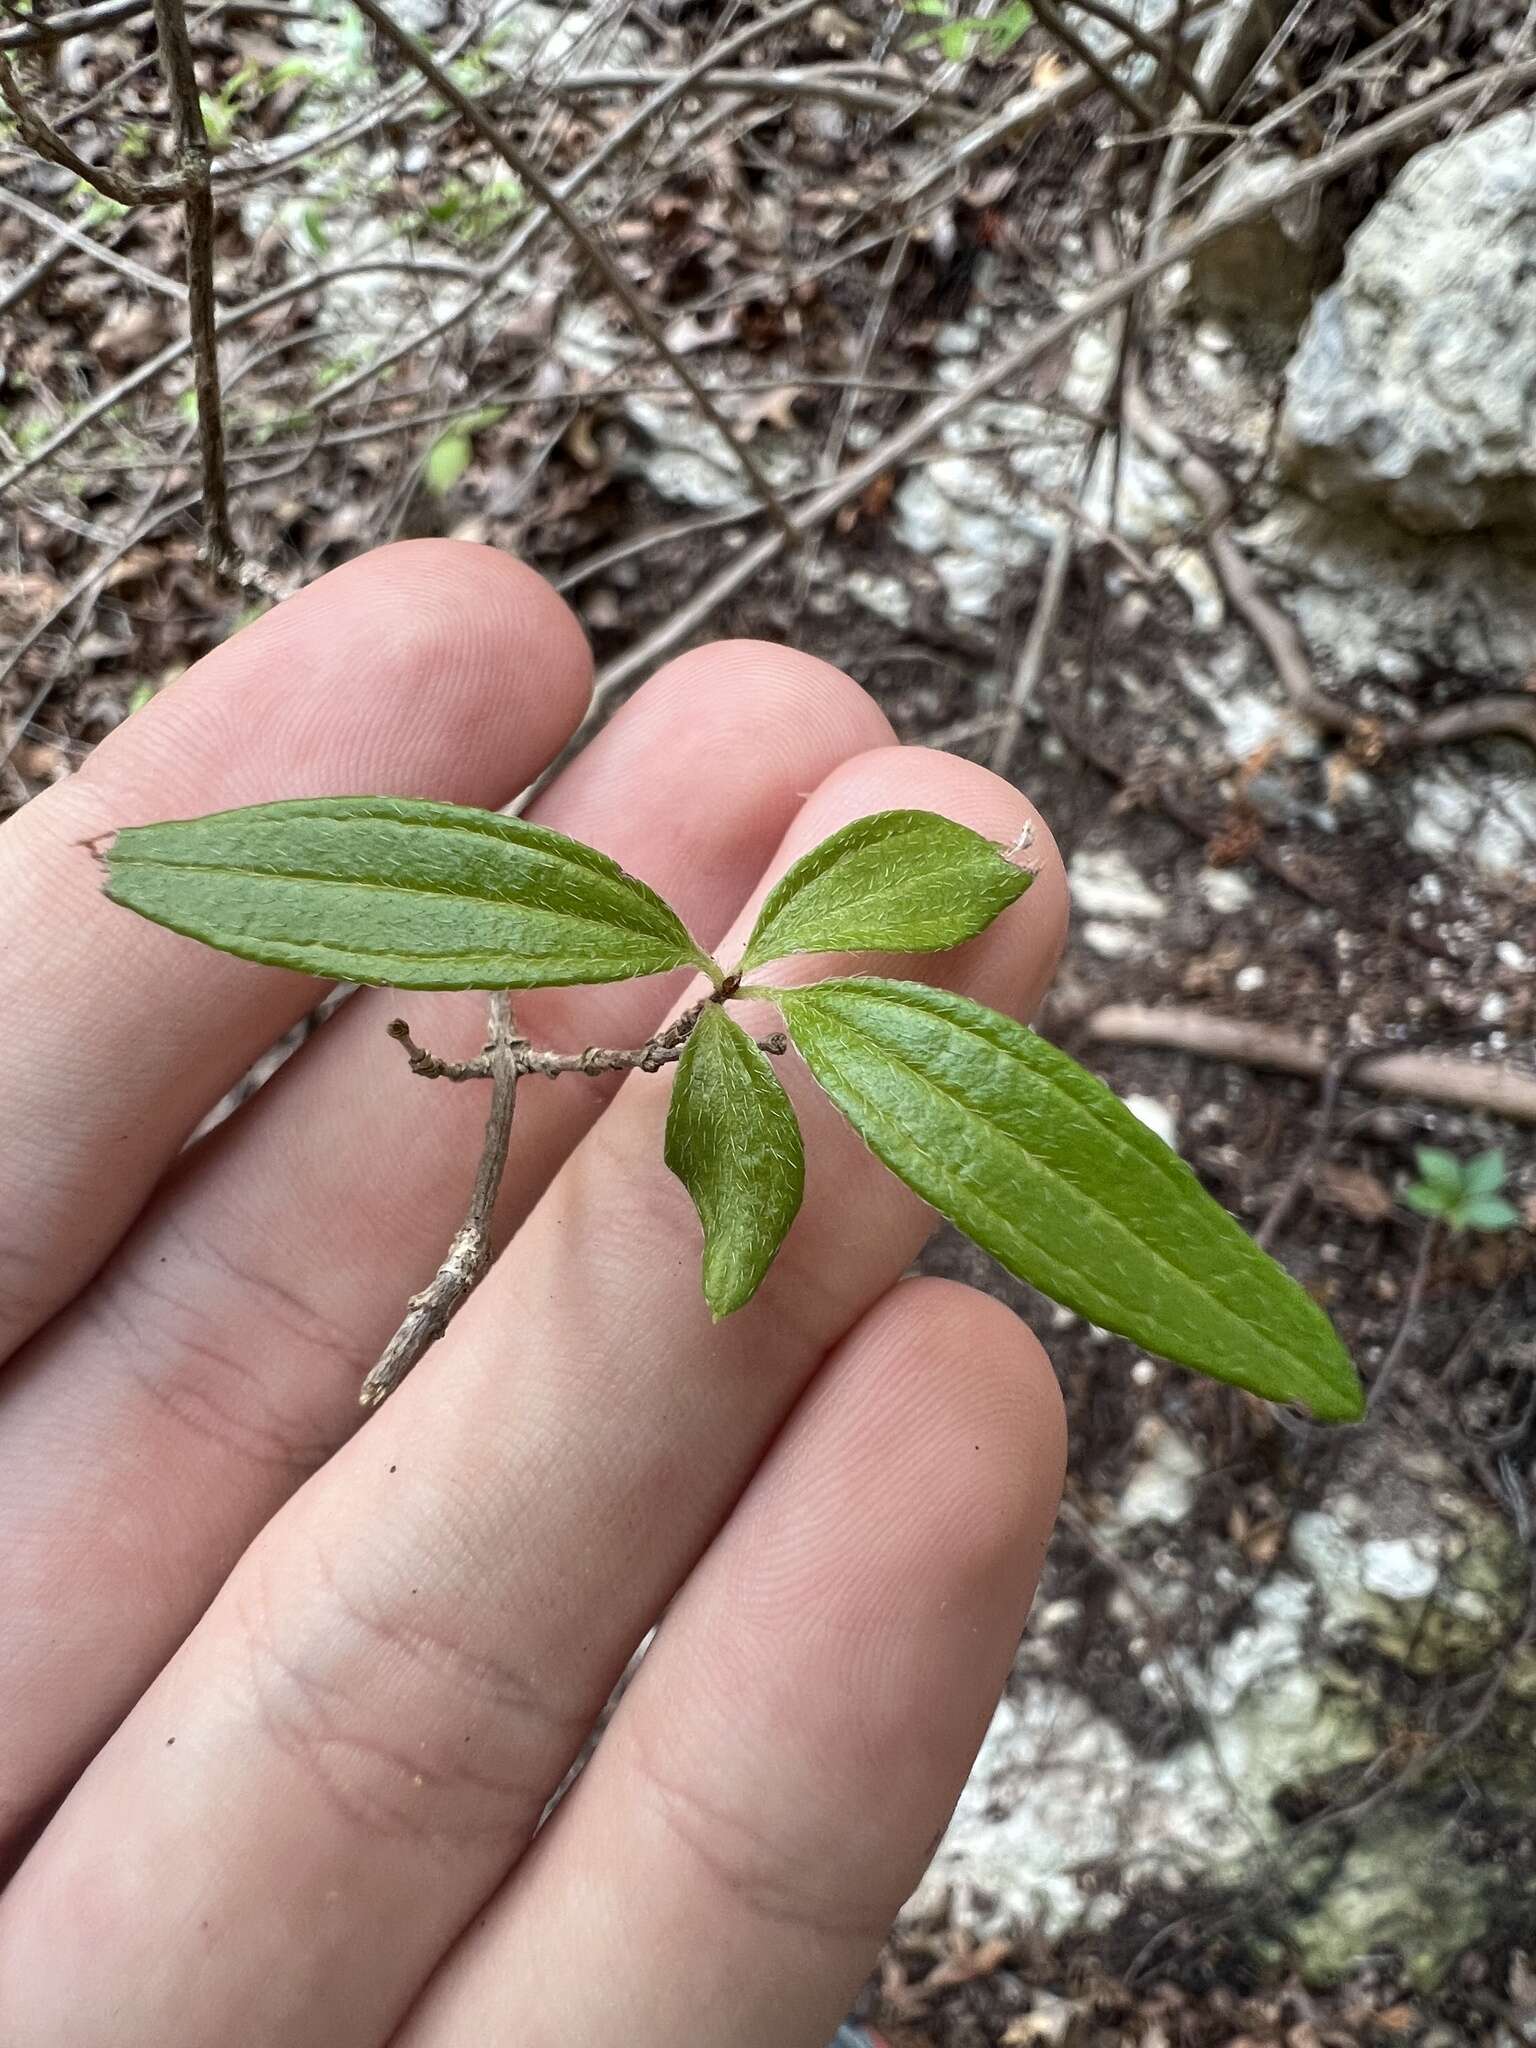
{"x": 1342, "y": 1397}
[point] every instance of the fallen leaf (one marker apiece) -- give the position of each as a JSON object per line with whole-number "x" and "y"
{"x": 688, "y": 332}
{"x": 1354, "y": 1190}
{"x": 871, "y": 503}
{"x": 768, "y": 408}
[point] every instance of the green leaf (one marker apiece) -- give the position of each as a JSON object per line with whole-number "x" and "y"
{"x": 1485, "y": 1212}
{"x": 312, "y": 220}
{"x": 447, "y": 459}
{"x": 1483, "y": 1175}
{"x": 1052, "y": 1174}
{"x": 896, "y": 882}
{"x": 395, "y": 892}
{"x": 733, "y": 1142}
{"x": 1438, "y": 1169}
{"x": 1429, "y": 1201}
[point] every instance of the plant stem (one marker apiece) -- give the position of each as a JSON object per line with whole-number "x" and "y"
{"x": 504, "y": 1062}
{"x": 469, "y": 1256}
{"x": 195, "y": 163}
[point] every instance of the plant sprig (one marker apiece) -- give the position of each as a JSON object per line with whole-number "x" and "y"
{"x": 1463, "y": 1194}
{"x": 998, "y": 1130}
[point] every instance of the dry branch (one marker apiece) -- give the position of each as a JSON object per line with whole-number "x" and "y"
{"x": 72, "y": 237}
{"x": 1079, "y": 47}
{"x": 1269, "y": 625}
{"x": 191, "y": 188}
{"x": 196, "y": 179}
{"x": 469, "y": 1256}
{"x": 121, "y": 189}
{"x": 1431, "y": 1076}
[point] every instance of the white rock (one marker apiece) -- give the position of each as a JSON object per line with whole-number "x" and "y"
{"x": 1225, "y": 890}
{"x": 1247, "y": 979}
{"x": 1161, "y": 1487}
{"x": 1397, "y": 1568}
{"x": 1490, "y": 822}
{"x": 1414, "y": 386}
{"x": 1105, "y": 884}
{"x": 1112, "y": 941}
{"x": 1159, "y": 1117}
{"x": 886, "y": 596}
{"x": 957, "y": 338}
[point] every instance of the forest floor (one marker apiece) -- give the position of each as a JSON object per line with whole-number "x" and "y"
{"x": 836, "y": 227}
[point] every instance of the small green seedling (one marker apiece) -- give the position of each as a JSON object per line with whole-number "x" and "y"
{"x": 1033, "y": 1158}
{"x": 1464, "y": 1195}
{"x": 958, "y": 35}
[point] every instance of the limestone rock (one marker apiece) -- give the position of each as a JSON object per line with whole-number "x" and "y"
{"x": 1414, "y": 386}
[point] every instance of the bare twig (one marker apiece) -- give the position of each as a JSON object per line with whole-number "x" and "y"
{"x": 501, "y": 264}
{"x": 1268, "y": 624}
{"x": 1512, "y": 714}
{"x": 1053, "y": 587}
{"x": 114, "y": 185}
{"x": 48, "y": 29}
{"x": 1037, "y": 645}
{"x": 550, "y": 197}
{"x": 1214, "y": 72}
{"x": 146, "y": 372}
{"x": 76, "y": 238}
{"x": 1164, "y": 47}
{"x": 196, "y": 168}
{"x": 191, "y": 188}
{"x": 1079, "y": 47}
{"x": 1338, "y": 1071}
{"x": 71, "y": 21}
{"x": 506, "y": 1059}
{"x": 1027, "y": 112}
{"x": 469, "y": 1256}
{"x": 1432, "y": 1076}
{"x": 1429, "y": 1239}
{"x": 658, "y": 1052}
{"x": 837, "y": 82}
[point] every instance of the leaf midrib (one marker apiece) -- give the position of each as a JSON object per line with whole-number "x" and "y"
{"x": 1054, "y": 1174}
{"x": 401, "y": 888}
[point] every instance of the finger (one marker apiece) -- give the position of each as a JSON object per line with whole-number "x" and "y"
{"x": 216, "y": 1360}
{"x": 428, "y": 669}
{"x": 401, "y": 1668}
{"x": 774, "y": 1780}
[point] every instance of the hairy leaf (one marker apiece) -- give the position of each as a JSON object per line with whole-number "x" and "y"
{"x": 734, "y": 1143}
{"x": 1484, "y": 1174}
{"x": 1052, "y": 1174}
{"x": 391, "y": 891}
{"x": 1439, "y": 1169}
{"x": 1487, "y": 1212}
{"x": 896, "y": 882}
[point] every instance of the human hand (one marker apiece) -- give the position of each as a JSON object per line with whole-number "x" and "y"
{"x": 304, "y": 1689}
